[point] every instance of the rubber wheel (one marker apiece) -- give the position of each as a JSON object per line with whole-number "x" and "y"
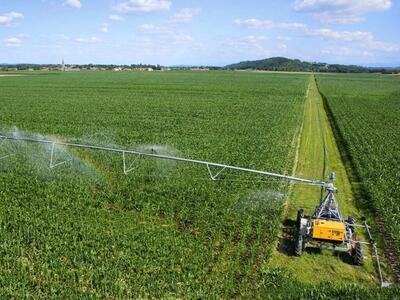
{"x": 300, "y": 215}
{"x": 358, "y": 254}
{"x": 351, "y": 220}
{"x": 298, "y": 246}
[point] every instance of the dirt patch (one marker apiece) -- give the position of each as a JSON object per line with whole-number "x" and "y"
{"x": 11, "y": 75}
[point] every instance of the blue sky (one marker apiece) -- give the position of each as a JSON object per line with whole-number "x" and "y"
{"x": 194, "y": 32}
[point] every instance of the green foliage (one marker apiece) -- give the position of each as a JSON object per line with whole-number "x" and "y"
{"x": 165, "y": 231}
{"x": 295, "y": 65}
{"x": 366, "y": 111}
{"x": 85, "y": 229}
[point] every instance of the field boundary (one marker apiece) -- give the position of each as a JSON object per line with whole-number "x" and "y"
{"x": 297, "y": 139}
{"x": 360, "y": 191}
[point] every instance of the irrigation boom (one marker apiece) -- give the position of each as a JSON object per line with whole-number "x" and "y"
{"x": 325, "y": 229}
{"x": 139, "y": 154}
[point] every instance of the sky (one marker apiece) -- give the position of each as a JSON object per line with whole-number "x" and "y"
{"x": 199, "y": 32}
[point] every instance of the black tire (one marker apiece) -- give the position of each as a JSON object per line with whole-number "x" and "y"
{"x": 358, "y": 254}
{"x": 300, "y": 215}
{"x": 298, "y": 246}
{"x": 351, "y": 220}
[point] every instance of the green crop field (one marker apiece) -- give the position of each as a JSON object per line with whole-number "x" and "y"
{"x": 166, "y": 229}
{"x": 85, "y": 230}
{"x": 366, "y": 110}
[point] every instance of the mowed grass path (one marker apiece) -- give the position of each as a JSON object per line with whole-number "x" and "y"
{"x": 315, "y": 267}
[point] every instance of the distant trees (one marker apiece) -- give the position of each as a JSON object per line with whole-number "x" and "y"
{"x": 295, "y": 65}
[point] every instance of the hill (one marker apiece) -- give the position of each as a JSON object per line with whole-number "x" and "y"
{"x": 296, "y": 65}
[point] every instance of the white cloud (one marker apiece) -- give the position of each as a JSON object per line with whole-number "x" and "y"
{"x": 104, "y": 27}
{"x": 346, "y": 51}
{"x": 382, "y": 46}
{"x": 255, "y": 38}
{"x": 13, "y": 42}
{"x": 63, "y": 37}
{"x": 165, "y": 34}
{"x": 282, "y": 47}
{"x": 95, "y": 40}
{"x": 91, "y": 40}
{"x": 345, "y": 36}
{"x": 73, "y": 3}
{"x": 153, "y": 29}
{"x": 245, "y": 48}
{"x": 340, "y": 11}
{"x": 283, "y": 38}
{"x": 182, "y": 38}
{"x": 116, "y": 18}
{"x": 9, "y": 18}
{"x": 164, "y": 38}
{"x": 185, "y": 15}
{"x": 268, "y": 24}
{"x": 361, "y": 40}
{"x": 143, "y": 6}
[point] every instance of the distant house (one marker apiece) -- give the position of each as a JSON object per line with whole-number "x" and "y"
{"x": 150, "y": 69}
{"x": 117, "y": 69}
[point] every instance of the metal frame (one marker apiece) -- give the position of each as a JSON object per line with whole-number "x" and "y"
{"x": 139, "y": 154}
{"x": 132, "y": 166}
{"x": 375, "y": 249}
{"x": 347, "y": 247}
{"x": 214, "y": 176}
{"x": 328, "y": 206}
{"x": 329, "y": 210}
{"x": 53, "y": 163}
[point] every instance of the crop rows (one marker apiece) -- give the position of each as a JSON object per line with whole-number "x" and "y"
{"x": 366, "y": 110}
{"x": 165, "y": 230}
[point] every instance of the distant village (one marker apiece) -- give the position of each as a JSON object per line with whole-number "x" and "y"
{"x": 96, "y": 67}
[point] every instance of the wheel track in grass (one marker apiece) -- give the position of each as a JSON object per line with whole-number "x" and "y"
{"x": 318, "y": 150}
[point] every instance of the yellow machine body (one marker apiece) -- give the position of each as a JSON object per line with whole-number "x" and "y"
{"x": 328, "y": 230}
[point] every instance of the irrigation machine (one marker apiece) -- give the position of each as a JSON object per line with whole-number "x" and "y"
{"x": 324, "y": 229}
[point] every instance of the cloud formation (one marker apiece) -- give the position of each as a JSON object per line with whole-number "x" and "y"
{"x": 143, "y": 6}
{"x": 283, "y": 38}
{"x": 13, "y": 42}
{"x": 91, "y": 40}
{"x": 345, "y": 36}
{"x": 185, "y": 15}
{"x": 340, "y": 11}
{"x": 268, "y": 24}
{"x": 73, "y": 3}
{"x": 346, "y": 51}
{"x": 357, "y": 39}
{"x": 153, "y": 29}
{"x": 254, "y": 39}
{"x": 8, "y": 19}
{"x": 116, "y": 18}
